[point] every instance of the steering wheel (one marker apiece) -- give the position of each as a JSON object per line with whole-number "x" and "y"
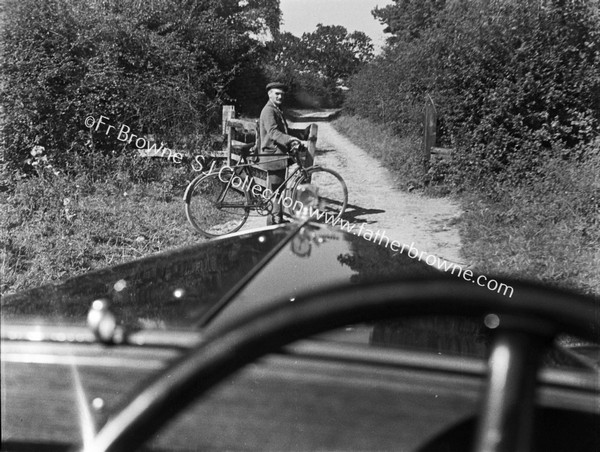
{"x": 523, "y": 325}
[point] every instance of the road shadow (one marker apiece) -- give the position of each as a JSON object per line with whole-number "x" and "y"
{"x": 312, "y": 115}
{"x": 320, "y": 151}
{"x": 353, "y": 212}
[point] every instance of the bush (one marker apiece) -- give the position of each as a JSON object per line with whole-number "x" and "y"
{"x": 515, "y": 83}
{"x": 376, "y": 93}
{"x": 162, "y": 69}
{"x": 530, "y": 92}
{"x": 547, "y": 230}
{"x": 55, "y": 226}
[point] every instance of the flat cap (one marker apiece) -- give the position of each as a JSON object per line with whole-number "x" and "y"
{"x": 277, "y": 85}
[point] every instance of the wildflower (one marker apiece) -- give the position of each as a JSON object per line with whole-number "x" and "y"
{"x": 37, "y": 150}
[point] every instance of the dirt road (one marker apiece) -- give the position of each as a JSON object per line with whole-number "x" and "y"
{"x": 428, "y": 223}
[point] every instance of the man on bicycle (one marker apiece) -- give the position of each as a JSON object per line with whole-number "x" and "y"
{"x": 276, "y": 138}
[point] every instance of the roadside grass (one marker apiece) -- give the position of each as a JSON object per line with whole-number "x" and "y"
{"x": 547, "y": 231}
{"x": 54, "y": 227}
{"x": 401, "y": 154}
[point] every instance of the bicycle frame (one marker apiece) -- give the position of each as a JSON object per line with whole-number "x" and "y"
{"x": 240, "y": 169}
{"x": 241, "y": 180}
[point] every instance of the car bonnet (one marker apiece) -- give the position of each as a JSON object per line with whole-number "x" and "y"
{"x": 192, "y": 287}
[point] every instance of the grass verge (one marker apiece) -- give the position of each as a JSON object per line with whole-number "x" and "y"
{"x": 53, "y": 227}
{"x": 547, "y": 231}
{"x": 401, "y": 154}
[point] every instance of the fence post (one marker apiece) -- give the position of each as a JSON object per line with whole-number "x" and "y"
{"x": 312, "y": 143}
{"x": 228, "y": 113}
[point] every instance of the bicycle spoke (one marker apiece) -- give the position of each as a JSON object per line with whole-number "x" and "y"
{"x": 333, "y": 194}
{"x": 214, "y": 208}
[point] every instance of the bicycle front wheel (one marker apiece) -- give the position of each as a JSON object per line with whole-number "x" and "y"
{"x": 214, "y": 207}
{"x": 333, "y": 193}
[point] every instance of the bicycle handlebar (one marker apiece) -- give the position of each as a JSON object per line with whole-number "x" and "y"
{"x": 295, "y": 150}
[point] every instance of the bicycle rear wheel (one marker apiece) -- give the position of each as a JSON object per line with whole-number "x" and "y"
{"x": 333, "y": 193}
{"x": 214, "y": 207}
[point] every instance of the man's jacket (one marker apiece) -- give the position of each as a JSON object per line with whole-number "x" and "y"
{"x": 275, "y": 137}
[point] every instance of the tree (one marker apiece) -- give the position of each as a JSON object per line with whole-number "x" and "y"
{"x": 318, "y": 62}
{"x": 333, "y": 52}
{"x": 329, "y": 51}
{"x": 406, "y": 20}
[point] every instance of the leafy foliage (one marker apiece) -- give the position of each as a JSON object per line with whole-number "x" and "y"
{"x": 315, "y": 64}
{"x": 516, "y": 83}
{"x": 55, "y": 226}
{"x": 406, "y": 20}
{"x": 333, "y": 52}
{"x": 379, "y": 92}
{"x": 162, "y": 67}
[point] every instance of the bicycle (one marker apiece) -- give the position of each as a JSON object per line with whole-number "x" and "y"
{"x": 220, "y": 202}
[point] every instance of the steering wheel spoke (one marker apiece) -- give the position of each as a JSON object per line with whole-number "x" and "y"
{"x": 533, "y": 316}
{"x": 509, "y": 399}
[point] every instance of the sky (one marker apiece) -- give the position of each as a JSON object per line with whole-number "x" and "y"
{"x": 301, "y": 16}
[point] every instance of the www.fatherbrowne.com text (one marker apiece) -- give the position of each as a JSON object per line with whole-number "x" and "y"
{"x": 381, "y": 238}
{"x": 226, "y": 174}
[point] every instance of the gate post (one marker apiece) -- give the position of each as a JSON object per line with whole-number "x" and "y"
{"x": 312, "y": 143}
{"x": 228, "y": 113}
